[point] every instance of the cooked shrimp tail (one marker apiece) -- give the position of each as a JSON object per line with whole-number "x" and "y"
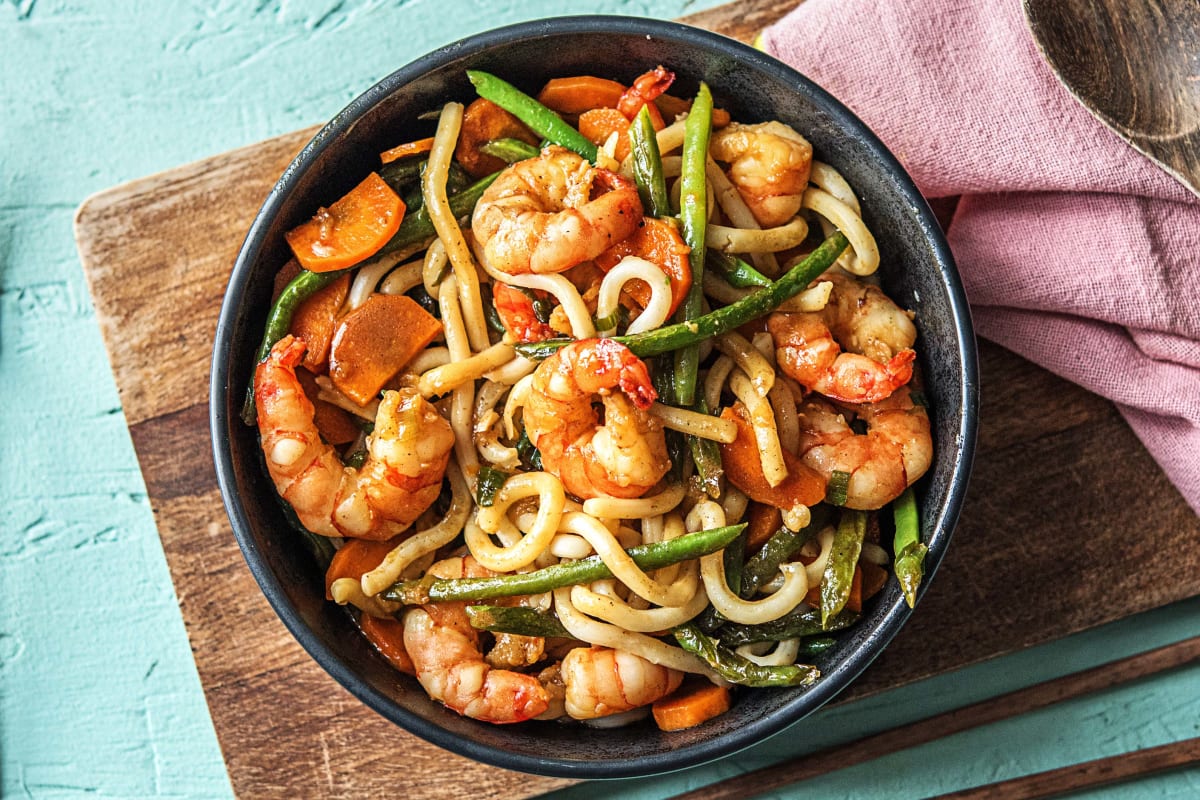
{"x": 401, "y": 477}
{"x": 601, "y": 681}
{"x": 445, "y": 653}
{"x": 624, "y": 456}
{"x": 547, "y": 214}
{"x": 876, "y": 333}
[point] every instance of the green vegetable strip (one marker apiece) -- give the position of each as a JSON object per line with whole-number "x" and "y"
{"x": 737, "y": 273}
{"x": 515, "y": 619}
{"x": 646, "y": 556}
{"x": 673, "y": 337}
{"x": 707, "y": 455}
{"x": 763, "y": 566}
{"x": 509, "y": 150}
{"x": 537, "y": 117}
{"x": 837, "y": 488}
{"x": 417, "y": 226}
{"x": 909, "y": 550}
{"x": 742, "y": 671}
{"x": 489, "y": 481}
{"x": 796, "y": 625}
{"x": 647, "y": 166}
{"x": 839, "y": 570}
{"x": 693, "y": 216}
{"x": 402, "y": 171}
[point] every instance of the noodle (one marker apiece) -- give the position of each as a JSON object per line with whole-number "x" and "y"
{"x": 433, "y": 187}
{"x": 866, "y": 253}
{"x": 694, "y": 423}
{"x": 634, "y": 268}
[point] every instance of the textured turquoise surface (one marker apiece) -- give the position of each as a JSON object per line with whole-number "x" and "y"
{"x": 98, "y": 693}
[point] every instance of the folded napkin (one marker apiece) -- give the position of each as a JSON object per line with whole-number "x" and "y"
{"x": 1075, "y": 250}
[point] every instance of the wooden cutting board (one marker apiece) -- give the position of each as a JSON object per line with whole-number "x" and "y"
{"x": 1068, "y": 524}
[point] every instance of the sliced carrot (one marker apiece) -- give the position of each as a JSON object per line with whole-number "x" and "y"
{"x": 598, "y": 124}
{"x": 314, "y": 321}
{"x": 672, "y": 106}
{"x": 336, "y": 425}
{"x": 356, "y": 557}
{"x": 349, "y": 231}
{"x": 853, "y": 602}
{"x": 407, "y": 149}
{"x": 580, "y": 93}
{"x": 659, "y": 241}
{"x": 374, "y": 341}
{"x": 695, "y": 702}
{"x": 388, "y": 637}
{"x": 763, "y": 521}
{"x": 743, "y": 467}
{"x": 483, "y": 121}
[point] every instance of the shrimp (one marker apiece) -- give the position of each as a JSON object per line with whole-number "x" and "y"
{"x": 444, "y": 649}
{"x": 402, "y": 476}
{"x": 877, "y": 333}
{"x": 895, "y": 451}
{"x": 518, "y": 313}
{"x": 646, "y": 87}
{"x": 544, "y": 215}
{"x": 623, "y": 457}
{"x": 601, "y": 681}
{"x": 769, "y": 164}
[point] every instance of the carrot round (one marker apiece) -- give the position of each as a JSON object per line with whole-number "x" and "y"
{"x": 580, "y": 93}
{"x": 314, "y": 321}
{"x": 659, "y": 241}
{"x": 388, "y": 637}
{"x": 374, "y": 341}
{"x": 407, "y": 149}
{"x": 482, "y": 122}
{"x": 351, "y": 230}
{"x": 598, "y": 124}
{"x": 693, "y": 703}
{"x": 743, "y": 467}
{"x": 357, "y": 556}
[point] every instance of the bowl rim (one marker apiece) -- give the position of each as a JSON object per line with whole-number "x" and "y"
{"x": 221, "y": 411}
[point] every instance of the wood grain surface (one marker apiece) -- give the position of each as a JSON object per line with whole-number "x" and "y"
{"x": 1068, "y": 524}
{"x": 1132, "y": 63}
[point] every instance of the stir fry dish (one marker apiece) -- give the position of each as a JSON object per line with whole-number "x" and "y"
{"x": 591, "y": 407}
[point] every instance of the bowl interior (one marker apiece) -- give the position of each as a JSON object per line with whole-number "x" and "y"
{"x": 917, "y": 271}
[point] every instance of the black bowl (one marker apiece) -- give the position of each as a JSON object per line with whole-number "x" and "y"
{"x": 918, "y": 271}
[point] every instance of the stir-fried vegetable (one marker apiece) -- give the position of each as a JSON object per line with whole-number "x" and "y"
{"x": 736, "y": 669}
{"x": 646, "y": 556}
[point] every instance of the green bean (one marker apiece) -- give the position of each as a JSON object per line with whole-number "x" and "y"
{"x": 673, "y": 337}
{"x": 417, "y": 226}
{"x": 736, "y": 272}
{"x": 515, "y": 619}
{"x": 908, "y": 548}
{"x": 838, "y": 488}
{"x": 763, "y": 566}
{"x": 707, "y": 455}
{"x": 693, "y": 218}
{"x": 647, "y": 166}
{"x": 279, "y": 320}
{"x": 816, "y": 645}
{"x": 646, "y": 556}
{"x": 509, "y": 151}
{"x": 488, "y": 483}
{"x": 839, "y": 569}
{"x": 403, "y": 171}
{"x": 795, "y": 625}
{"x": 537, "y": 117}
{"x": 742, "y": 671}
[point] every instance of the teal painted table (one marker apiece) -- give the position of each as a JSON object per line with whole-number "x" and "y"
{"x": 98, "y": 693}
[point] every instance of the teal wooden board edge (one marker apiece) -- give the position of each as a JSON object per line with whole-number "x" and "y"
{"x": 98, "y": 693}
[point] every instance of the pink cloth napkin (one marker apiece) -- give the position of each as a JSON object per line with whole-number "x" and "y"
{"x": 1076, "y": 251}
